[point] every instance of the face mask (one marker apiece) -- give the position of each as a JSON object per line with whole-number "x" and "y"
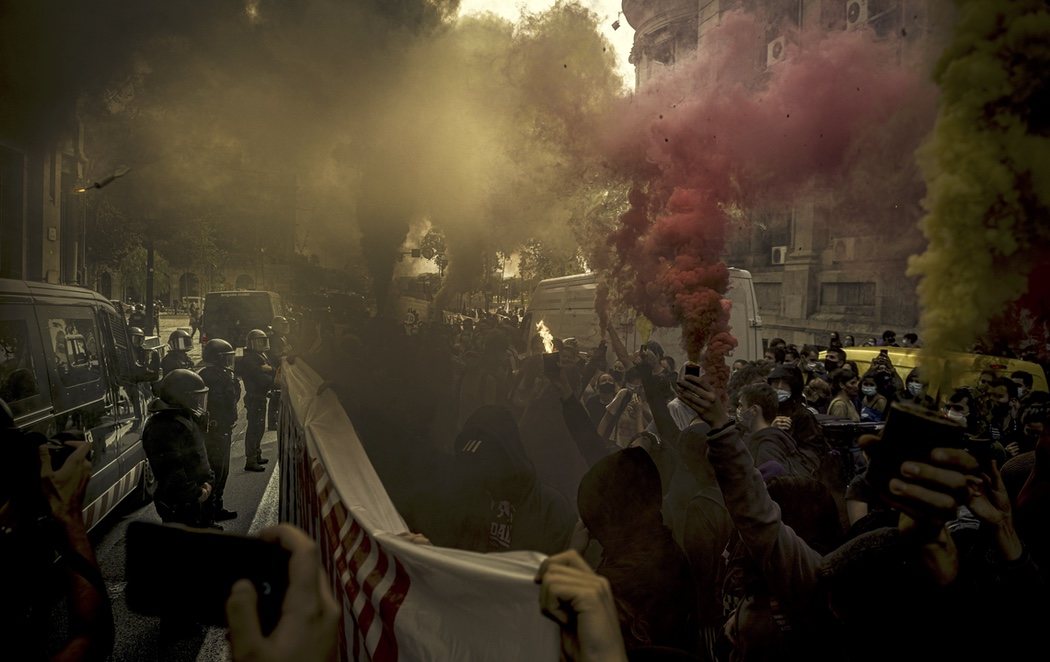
{"x": 830, "y": 366}
{"x": 783, "y": 396}
{"x": 915, "y": 388}
{"x": 742, "y": 418}
{"x": 1021, "y": 392}
{"x": 606, "y": 388}
{"x": 868, "y": 390}
{"x": 957, "y": 416}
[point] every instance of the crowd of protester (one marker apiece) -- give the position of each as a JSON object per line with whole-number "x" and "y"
{"x": 684, "y": 520}
{"x": 725, "y": 524}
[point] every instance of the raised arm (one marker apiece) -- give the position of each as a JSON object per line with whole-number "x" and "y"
{"x": 788, "y": 564}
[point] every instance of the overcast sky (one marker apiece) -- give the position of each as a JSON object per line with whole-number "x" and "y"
{"x": 607, "y": 10}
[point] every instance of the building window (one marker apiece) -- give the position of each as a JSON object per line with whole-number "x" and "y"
{"x": 847, "y": 294}
{"x": 769, "y": 296}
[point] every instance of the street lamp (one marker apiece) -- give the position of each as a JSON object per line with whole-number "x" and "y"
{"x": 105, "y": 181}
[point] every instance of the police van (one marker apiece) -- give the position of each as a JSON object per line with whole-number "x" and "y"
{"x": 231, "y": 315}
{"x": 67, "y": 365}
{"x": 566, "y": 306}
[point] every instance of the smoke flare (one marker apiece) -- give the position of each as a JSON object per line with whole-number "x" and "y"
{"x": 987, "y": 170}
{"x": 718, "y": 135}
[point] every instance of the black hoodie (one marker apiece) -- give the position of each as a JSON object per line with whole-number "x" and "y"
{"x": 620, "y": 500}
{"x": 505, "y": 506}
{"x": 804, "y": 426}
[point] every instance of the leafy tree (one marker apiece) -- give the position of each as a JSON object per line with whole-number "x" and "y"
{"x": 540, "y": 260}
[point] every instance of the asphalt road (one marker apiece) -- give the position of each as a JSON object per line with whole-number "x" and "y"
{"x": 252, "y": 495}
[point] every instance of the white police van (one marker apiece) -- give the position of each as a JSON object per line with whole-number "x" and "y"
{"x": 566, "y": 306}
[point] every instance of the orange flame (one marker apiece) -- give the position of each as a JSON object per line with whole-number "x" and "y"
{"x": 546, "y": 336}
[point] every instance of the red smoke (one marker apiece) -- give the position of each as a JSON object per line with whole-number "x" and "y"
{"x": 720, "y": 135}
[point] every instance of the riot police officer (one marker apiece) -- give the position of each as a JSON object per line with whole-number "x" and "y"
{"x": 138, "y": 317}
{"x": 179, "y": 344}
{"x": 279, "y": 348}
{"x": 138, "y": 337}
{"x": 258, "y": 373}
{"x": 173, "y": 439}
{"x": 224, "y": 392}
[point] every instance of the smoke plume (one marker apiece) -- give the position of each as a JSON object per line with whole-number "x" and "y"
{"x": 717, "y": 137}
{"x": 987, "y": 170}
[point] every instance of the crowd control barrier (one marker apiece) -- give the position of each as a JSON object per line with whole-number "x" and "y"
{"x": 400, "y": 600}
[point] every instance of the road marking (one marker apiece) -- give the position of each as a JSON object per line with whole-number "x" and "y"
{"x": 215, "y": 648}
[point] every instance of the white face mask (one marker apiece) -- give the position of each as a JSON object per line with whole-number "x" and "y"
{"x": 915, "y": 388}
{"x": 1021, "y": 392}
{"x": 868, "y": 390}
{"x": 957, "y": 416}
{"x": 782, "y": 395}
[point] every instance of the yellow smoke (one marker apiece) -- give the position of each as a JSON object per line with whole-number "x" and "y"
{"x": 987, "y": 169}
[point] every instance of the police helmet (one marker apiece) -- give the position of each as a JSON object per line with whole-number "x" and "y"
{"x": 218, "y": 352}
{"x": 138, "y": 336}
{"x": 180, "y": 340}
{"x": 184, "y": 389}
{"x": 280, "y": 325}
{"x": 257, "y": 341}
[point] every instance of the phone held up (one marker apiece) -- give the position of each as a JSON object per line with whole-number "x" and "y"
{"x": 911, "y": 432}
{"x": 692, "y": 369}
{"x": 178, "y": 572}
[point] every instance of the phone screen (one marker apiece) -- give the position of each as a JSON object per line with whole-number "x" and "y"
{"x": 692, "y": 369}
{"x": 188, "y": 573}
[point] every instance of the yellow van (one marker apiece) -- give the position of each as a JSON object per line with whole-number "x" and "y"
{"x": 960, "y": 369}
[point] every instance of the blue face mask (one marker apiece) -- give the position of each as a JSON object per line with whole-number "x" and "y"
{"x": 783, "y": 396}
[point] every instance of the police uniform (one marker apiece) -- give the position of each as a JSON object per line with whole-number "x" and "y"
{"x": 175, "y": 359}
{"x": 224, "y": 392}
{"x": 174, "y": 445}
{"x": 278, "y": 349}
{"x": 257, "y": 384}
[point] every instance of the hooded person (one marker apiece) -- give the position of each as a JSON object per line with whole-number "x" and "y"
{"x": 507, "y": 507}
{"x": 619, "y": 501}
{"x": 786, "y": 380}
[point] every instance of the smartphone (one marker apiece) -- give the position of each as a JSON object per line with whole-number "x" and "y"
{"x": 884, "y": 353}
{"x": 692, "y": 369}
{"x": 552, "y": 364}
{"x": 911, "y": 432}
{"x": 175, "y": 571}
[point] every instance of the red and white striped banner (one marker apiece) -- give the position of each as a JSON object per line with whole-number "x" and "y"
{"x": 401, "y": 601}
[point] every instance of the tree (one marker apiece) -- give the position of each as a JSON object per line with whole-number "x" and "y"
{"x": 540, "y": 261}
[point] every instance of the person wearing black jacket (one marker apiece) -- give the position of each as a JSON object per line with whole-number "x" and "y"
{"x": 504, "y": 504}
{"x": 792, "y": 414}
{"x": 224, "y": 392}
{"x": 619, "y": 501}
{"x": 257, "y": 372}
{"x": 174, "y": 443}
